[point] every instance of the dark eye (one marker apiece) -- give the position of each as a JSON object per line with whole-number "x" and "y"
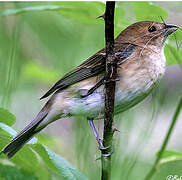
{"x": 151, "y": 29}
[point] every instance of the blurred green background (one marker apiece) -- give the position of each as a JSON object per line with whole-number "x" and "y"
{"x": 41, "y": 41}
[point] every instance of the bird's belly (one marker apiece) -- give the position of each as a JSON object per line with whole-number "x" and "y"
{"x": 136, "y": 92}
{"x": 130, "y": 90}
{"x": 125, "y": 97}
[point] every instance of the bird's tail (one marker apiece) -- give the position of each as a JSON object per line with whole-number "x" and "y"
{"x": 25, "y": 135}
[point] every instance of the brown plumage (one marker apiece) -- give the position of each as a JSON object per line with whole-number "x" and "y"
{"x": 141, "y": 63}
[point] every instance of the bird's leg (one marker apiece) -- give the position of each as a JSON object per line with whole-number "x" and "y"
{"x": 101, "y": 147}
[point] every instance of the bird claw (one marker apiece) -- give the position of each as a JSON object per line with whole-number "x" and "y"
{"x": 105, "y": 154}
{"x": 101, "y": 146}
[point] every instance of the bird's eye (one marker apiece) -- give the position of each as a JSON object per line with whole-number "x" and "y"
{"x": 151, "y": 29}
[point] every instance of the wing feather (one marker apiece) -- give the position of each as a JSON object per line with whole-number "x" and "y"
{"x": 95, "y": 65}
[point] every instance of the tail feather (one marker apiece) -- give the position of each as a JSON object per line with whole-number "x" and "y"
{"x": 25, "y": 135}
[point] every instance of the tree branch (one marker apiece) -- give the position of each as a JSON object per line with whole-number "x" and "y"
{"x": 111, "y": 74}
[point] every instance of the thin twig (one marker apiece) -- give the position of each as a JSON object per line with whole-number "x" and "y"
{"x": 111, "y": 74}
{"x": 166, "y": 140}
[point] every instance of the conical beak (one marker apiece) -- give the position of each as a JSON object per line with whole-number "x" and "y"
{"x": 170, "y": 28}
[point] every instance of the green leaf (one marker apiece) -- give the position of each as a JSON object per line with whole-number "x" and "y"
{"x": 8, "y": 172}
{"x": 169, "y": 171}
{"x": 173, "y": 55}
{"x": 6, "y": 117}
{"x": 85, "y": 12}
{"x": 168, "y": 156}
{"x": 17, "y": 11}
{"x": 58, "y": 164}
{"x": 177, "y": 36}
{"x": 28, "y": 161}
{"x": 5, "y": 129}
{"x": 36, "y": 160}
{"x": 148, "y": 11}
{"x": 169, "y": 165}
{"x": 65, "y": 168}
{"x": 169, "y": 153}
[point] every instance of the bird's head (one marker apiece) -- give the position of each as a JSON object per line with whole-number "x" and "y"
{"x": 147, "y": 33}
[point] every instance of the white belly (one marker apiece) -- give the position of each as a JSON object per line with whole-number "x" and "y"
{"x": 130, "y": 90}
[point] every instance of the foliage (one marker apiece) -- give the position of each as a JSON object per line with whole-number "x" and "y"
{"x": 35, "y": 161}
{"x": 40, "y": 42}
{"x": 170, "y": 164}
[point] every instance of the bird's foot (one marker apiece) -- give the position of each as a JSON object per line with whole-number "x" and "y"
{"x": 101, "y": 146}
{"x": 108, "y": 153}
{"x": 104, "y": 151}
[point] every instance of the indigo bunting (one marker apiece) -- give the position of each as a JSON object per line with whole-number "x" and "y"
{"x": 139, "y": 52}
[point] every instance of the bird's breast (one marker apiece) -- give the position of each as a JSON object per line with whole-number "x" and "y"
{"x": 137, "y": 77}
{"x": 157, "y": 65}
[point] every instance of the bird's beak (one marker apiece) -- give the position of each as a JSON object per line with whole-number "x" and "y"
{"x": 170, "y": 28}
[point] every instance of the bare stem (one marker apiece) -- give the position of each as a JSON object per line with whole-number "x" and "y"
{"x": 111, "y": 74}
{"x": 166, "y": 140}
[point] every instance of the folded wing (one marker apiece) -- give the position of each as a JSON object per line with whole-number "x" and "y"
{"x": 94, "y": 66}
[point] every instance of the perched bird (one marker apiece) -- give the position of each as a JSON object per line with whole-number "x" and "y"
{"x": 139, "y": 52}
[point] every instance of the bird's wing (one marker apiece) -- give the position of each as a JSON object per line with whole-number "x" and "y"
{"x": 95, "y": 65}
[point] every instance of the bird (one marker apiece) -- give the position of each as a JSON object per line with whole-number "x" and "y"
{"x": 141, "y": 63}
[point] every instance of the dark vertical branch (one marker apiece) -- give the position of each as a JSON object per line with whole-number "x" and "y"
{"x": 111, "y": 73}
